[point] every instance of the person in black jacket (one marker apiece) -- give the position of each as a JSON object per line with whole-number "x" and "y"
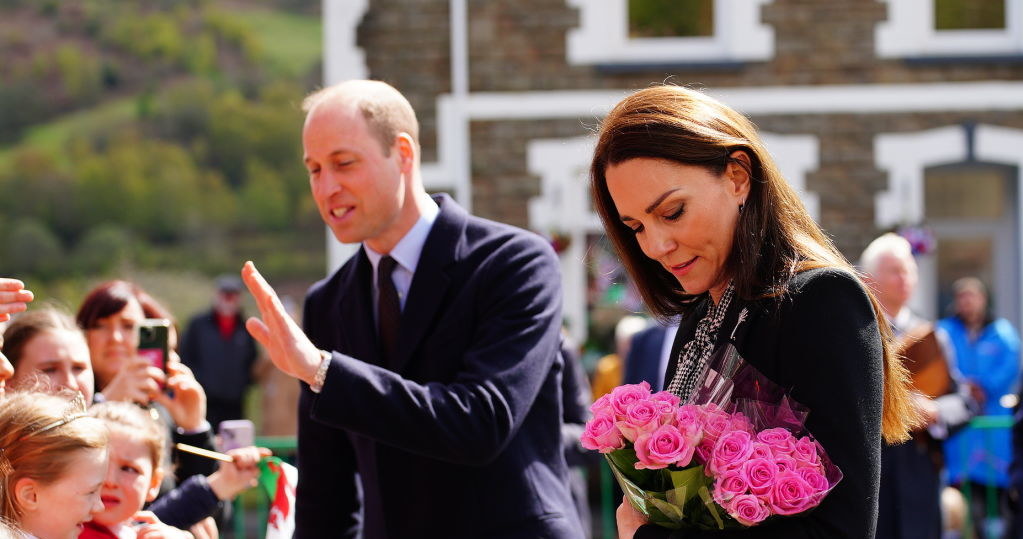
{"x": 221, "y": 352}
{"x": 709, "y": 230}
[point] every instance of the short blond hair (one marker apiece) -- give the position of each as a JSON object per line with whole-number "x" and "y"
{"x": 385, "y": 109}
{"x": 129, "y": 418}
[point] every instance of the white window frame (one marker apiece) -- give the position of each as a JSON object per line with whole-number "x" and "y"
{"x": 910, "y": 32}
{"x": 603, "y": 36}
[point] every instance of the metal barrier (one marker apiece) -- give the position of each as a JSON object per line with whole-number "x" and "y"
{"x": 991, "y": 501}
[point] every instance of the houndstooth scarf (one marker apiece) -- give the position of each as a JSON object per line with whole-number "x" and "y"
{"x": 692, "y": 359}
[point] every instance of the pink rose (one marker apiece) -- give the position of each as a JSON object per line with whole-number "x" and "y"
{"x": 663, "y": 447}
{"x": 791, "y": 494}
{"x": 667, "y": 404}
{"x": 641, "y": 417}
{"x": 715, "y": 423}
{"x": 603, "y": 404}
{"x": 785, "y": 463}
{"x": 761, "y": 451}
{"x": 601, "y": 433}
{"x": 759, "y": 475}
{"x": 740, "y": 422}
{"x": 817, "y": 482}
{"x": 728, "y": 486}
{"x": 731, "y": 450}
{"x": 779, "y": 440}
{"x": 805, "y": 453}
{"x": 689, "y": 415}
{"x": 748, "y": 509}
{"x": 622, "y": 396}
{"x": 666, "y": 396}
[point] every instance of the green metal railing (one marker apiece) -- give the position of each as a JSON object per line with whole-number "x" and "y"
{"x": 991, "y": 501}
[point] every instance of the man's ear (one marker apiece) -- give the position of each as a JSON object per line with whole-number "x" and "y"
{"x": 154, "y": 484}
{"x": 26, "y": 494}
{"x": 406, "y": 148}
{"x": 738, "y": 172}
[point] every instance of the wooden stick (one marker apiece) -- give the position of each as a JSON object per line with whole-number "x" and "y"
{"x": 204, "y": 452}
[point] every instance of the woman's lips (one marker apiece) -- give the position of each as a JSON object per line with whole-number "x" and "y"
{"x": 683, "y": 268}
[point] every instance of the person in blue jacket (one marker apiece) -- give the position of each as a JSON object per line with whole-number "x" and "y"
{"x": 986, "y": 353}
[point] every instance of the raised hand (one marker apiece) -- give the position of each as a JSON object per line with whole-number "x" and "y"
{"x": 13, "y": 298}
{"x": 289, "y": 348}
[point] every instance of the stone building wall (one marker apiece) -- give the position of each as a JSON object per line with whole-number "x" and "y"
{"x": 521, "y": 46}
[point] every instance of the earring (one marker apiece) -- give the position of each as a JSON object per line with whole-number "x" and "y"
{"x": 740, "y": 207}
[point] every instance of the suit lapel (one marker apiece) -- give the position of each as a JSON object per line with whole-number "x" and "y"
{"x": 431, "y": 280}
{"x": 355, "y": 301}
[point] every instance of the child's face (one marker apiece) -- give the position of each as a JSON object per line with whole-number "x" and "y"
{"x": 131, "y": 479}
{"x": 58, "y": 510}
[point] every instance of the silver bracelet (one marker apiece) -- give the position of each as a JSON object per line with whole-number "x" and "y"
{"x": 321, "y": 372}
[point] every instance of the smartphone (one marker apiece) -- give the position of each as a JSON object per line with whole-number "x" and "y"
{"x": 235, "y": 433}
{"x": 153, "y": 341}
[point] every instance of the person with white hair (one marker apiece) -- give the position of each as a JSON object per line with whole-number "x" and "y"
{"x": 909, "y": 501}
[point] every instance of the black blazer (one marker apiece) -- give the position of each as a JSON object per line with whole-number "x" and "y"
{"x": 820, "y": 341}
{"x": 461, "y": 438}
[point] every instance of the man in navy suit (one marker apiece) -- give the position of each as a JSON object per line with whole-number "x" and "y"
{"x": 648, "y": 355}
{"x": 431, "y": 402}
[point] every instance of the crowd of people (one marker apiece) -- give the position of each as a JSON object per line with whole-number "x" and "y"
{"x": 438, "y": 395}
{"x": 89, "y": 427}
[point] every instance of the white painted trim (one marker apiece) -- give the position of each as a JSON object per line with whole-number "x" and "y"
{"x": 1002, "y": 145}
{"x": 905, "y": 156}
{"x": 910, "y": 32}
{"x": 603, "y": 36}
{"x": 824, "y": 99}
{"x": 344, "y": 60}
{"x": 563, "y": 206}
{"x": 796, "y": 156}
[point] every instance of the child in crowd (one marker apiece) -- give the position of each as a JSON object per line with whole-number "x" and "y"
{"x": 53, "y": 458}
{"x": 136, "y": 451}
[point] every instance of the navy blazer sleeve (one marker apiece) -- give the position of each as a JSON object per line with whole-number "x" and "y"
{"x": 334, "y": 505}
{"x": 828, "y": 351}
{"x": 468, "y": 421}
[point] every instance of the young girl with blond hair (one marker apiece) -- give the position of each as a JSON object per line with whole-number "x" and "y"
{"x": 53, "y": 459}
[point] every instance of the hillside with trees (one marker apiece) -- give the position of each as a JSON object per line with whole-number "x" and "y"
{"x": 155, "y": 137}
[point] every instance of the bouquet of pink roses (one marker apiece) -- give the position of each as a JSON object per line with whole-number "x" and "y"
{"x": 734, "y": 461}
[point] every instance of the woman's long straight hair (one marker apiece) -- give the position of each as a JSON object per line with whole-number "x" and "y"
{"x": 775, "y": 237}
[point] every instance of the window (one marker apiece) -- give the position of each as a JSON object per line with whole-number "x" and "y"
{"x": 648, "y": 32}
{"x": 951, "y": 28}
{"x": 671, "y": 18}
{"x": 969, "y": 15}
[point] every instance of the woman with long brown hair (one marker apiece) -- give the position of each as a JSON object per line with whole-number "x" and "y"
{"x": 709, "y": 230}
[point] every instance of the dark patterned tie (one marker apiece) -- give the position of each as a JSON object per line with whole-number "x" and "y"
{"x": 388, "y": 312}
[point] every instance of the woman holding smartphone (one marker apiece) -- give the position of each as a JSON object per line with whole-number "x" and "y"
{"x": 111, "y": 315}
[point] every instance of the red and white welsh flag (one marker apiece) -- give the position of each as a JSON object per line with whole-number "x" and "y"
{"x": 278, "y": 479}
